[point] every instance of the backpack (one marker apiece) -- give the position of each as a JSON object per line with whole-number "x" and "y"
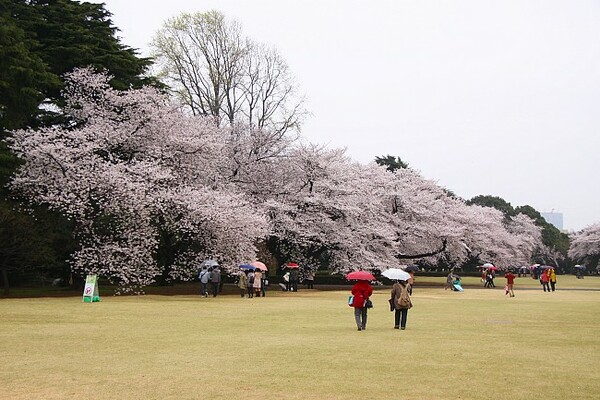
{"x": 404, "y": 300}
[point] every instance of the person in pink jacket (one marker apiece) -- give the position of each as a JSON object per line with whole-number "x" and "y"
{"x": 361, "y": 291}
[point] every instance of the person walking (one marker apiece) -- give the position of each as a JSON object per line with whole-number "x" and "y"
{"x": 250, "y": 284}
{"x": 215, "y": 280}
{"x": 361, "y": 291}
{"x": 552, "y": 279}
{"x": 286, "y": 281}
{"x": 544, "y": 280}
{"x": 484, "y": 278}
{"x": 294, "y": 280}
{"x": 264, "y": 283}
{"x": 510, "y": 281}
{"x": 243, "y": 283}
{"x": 204, "y": 277}
{"x": 257, "y": 282}
{"x": 489, "y": 279}
{"x": 400, "y": 297}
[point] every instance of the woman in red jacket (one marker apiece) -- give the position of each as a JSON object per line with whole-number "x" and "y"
{"x": 544, "y": 280}
{"x": 361, "y": 291}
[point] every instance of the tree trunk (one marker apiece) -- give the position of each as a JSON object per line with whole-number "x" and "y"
{"x": 5, "y": 280}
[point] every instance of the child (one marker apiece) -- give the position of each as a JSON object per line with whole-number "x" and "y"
{"x": 449, "y": 282}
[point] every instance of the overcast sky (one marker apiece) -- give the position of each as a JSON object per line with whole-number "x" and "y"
{"x": 483, "y": 96}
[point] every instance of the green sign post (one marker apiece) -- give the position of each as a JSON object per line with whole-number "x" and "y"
{"x": 90, "y": 290}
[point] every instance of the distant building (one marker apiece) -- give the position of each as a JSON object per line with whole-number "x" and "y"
{"x": 554, "y": 218}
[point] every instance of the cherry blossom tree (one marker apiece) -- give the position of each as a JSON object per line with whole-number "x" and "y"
{"x": 585, "y": 244}
{"x": 153, "y": 190}
{"x": 322, "y": 206}
{"x": 426, "y": 217}
{"x": 142, "y": 182}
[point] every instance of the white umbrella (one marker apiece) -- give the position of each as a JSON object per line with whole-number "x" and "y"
{"x": 396, "y": 274}
{"x": 487, "y": 265}
{"x": 209, "y": 263}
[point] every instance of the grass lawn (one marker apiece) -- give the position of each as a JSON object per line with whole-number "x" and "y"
{"x": 478, "y": 344}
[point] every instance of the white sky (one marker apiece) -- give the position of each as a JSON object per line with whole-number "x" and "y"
{"x": 482, "y": 96}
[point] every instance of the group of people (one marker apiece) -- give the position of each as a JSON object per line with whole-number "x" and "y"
{"x": 213, "y": 276}
{"x": 548, "y": 279}
{"x": 400, "y": 302}
{"x": 252, "y": 283}
{"x": 291, "y": 278}
{"x": 453, "y": 282}
{"x": 487, "y": 277}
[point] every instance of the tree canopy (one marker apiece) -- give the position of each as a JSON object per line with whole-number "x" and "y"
{"x": 43, "y": 39}
{"x": 40, "y": 40}
{"x": 585, "y": 245}
{"x": 391, "y": 163}
{"x": 216, "y": 71}
{"x": 153, "y": 190}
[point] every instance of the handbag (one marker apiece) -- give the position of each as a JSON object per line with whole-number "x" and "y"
{"x": 350, "y": 300}
{"x": 369, "y": 303}
{"x": 391, "y": 301}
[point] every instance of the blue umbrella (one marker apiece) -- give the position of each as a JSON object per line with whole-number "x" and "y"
{"x": 247, "y": 267}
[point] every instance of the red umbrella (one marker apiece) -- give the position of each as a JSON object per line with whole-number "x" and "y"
{"x": 360, "y": 276}
{"x": 492, "y": 268}
{"x": 292, "y": 265}
{"x": 259, "y": 265}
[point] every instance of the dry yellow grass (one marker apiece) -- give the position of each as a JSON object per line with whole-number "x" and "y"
{"x": 478, "y": 344}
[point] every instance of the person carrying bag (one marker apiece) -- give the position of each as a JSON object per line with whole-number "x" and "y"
{"x": 401, "y": 301}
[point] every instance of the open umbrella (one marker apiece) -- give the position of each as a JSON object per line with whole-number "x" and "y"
{"x": 209, "y": 263}
{"x": 487, "y": 265}
{"x": 360, "y": 276}
{"x": 247, "y": 267}
{"x": 259, "y": 265}
{"x": 492, "y": 268}
{"x": 292, "y": 265}
{"x": 396, "y": 274}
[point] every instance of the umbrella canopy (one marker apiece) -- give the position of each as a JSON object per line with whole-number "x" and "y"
{"x": 487, "y": 265}
{"x": 492, "y": 268}
{"x": 292, "y": 265}
{"x": 411, "y": 267}
{"x": 361, "y": 276}
{"x": 579, "y": 266}
{"x": 209, "y": 263}
{"x": 547, "y": 267}
{"x": 247, "y": 267}
{"x": 396, "y": 274}
{"x": 259, "y": 265}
